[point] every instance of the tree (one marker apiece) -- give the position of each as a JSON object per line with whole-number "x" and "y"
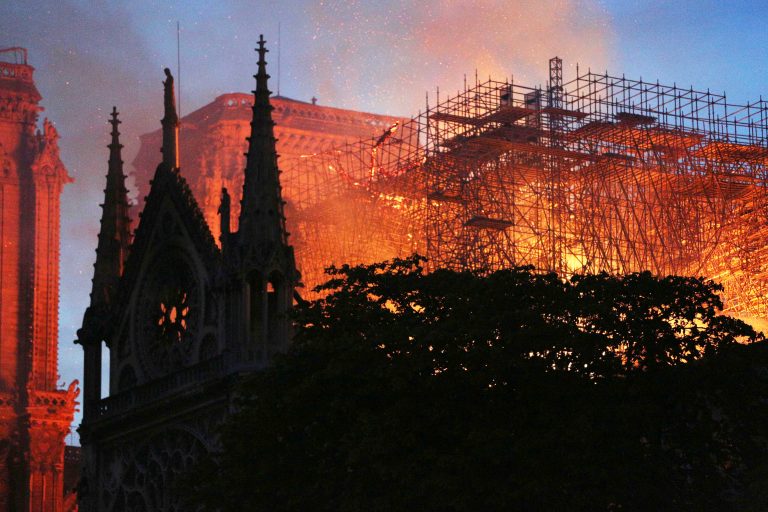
{"x": 514, "y": 390}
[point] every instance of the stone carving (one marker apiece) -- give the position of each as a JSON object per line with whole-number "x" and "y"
{"x": 141, "y": 477}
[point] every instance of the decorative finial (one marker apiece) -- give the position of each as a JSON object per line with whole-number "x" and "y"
{"x": 262, "y": 49}
{"x": 114, "y": 115}
{"x": 114, "y": 122}
{"x": 262, "y": 92}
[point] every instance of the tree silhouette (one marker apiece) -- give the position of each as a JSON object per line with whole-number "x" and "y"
{"x": 515, "y": 390}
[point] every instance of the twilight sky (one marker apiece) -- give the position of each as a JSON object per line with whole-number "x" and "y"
{"x": 372, "y": 55}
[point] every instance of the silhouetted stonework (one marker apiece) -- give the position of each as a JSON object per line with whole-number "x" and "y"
{"x": 321, "y": 219}
{"x": 35, "y": 415}
{"x": 184, "y": 319}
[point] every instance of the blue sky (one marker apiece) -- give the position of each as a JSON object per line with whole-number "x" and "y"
{"x": 709, "y": 44}
{"x": 370, "y": 55}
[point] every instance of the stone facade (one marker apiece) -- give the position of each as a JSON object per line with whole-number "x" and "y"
{"x": 35, "y": 415}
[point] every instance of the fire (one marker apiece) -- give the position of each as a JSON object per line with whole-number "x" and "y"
{"x": 496, "y": 176}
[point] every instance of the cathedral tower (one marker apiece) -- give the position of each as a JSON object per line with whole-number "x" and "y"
{"x": 34, "y": 414}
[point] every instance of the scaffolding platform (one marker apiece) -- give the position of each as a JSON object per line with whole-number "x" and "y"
{"x": 488, "y": 223}
{"x": 601, "y": 172}
{"x": 446, "y": 198}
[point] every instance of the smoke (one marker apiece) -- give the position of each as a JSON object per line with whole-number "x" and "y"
{"x": 384, "y": 56}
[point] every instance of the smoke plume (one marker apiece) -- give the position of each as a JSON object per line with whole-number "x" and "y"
{"x": 386, "y": 55}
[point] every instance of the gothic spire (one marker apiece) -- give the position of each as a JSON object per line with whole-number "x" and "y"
{"x": 115, "y": 231}
{"x": 262, "y": 222}
{"x": 170, "y": 123}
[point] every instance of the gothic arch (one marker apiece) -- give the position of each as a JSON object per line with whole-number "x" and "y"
{"x": 139, "y": 476}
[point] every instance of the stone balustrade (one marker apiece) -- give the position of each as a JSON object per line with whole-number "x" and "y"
{"x": 145, "y": 394}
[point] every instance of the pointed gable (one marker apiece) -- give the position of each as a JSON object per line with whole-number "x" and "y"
{"x": 165, "y": 305}
{"x": 170, "y": 206}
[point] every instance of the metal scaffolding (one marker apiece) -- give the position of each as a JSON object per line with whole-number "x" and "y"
{"x": 597, "y": 174}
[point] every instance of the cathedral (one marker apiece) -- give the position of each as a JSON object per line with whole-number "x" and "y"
{"x": 184, "y": 318}
{"x": 35, "y": 414}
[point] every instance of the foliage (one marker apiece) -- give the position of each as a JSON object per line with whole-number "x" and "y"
{"x": 509, "y": 391}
